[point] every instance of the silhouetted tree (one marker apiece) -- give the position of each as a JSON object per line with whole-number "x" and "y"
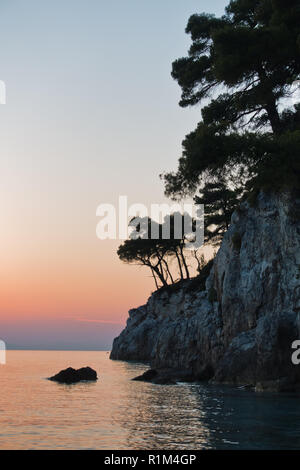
{"x": 144, "y": 253}
{"x": 219, "y": 203}
{"x": 158, "y": 253}
{"x": 249, "y": 59}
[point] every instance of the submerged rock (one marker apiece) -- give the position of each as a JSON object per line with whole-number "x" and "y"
{"x": 70, "y": 375}
{"x": 239, "y": 328}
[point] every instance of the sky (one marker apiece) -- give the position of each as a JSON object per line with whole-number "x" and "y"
{"x": 91, "y": 113}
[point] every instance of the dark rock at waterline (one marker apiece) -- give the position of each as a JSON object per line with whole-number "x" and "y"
{"x": 147, "y": 376}
{"x": 165, "y": 376}
{"x": 70, "y": 375}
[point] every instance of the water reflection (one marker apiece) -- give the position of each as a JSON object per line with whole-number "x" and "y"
{"x": 198, "y": 416}
{"x": 166, "y": 417}
{"x": 117, "y": 413}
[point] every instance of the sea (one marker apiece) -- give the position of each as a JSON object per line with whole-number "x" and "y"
{"x": 116, "y": 413}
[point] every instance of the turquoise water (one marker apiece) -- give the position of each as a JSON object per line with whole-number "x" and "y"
{"x": 117, "y": 413}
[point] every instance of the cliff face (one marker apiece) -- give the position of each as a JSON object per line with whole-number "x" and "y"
{"x": 241, "y": 327}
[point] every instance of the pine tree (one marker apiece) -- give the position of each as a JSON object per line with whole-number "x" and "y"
{"x": 219, "y": 203}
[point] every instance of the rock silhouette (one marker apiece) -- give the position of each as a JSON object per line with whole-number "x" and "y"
{"x": 165, "y": 376}
{"x": 70, "y": 375}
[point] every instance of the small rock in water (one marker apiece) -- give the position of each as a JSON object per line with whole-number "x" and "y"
{"x": 70, "y": 375}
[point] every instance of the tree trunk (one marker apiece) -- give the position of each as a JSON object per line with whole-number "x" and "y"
{"x": 198, "y": 261}
{"x": 179, "y": 264}
{"x": 154, "y": 277}
{"x": 168, "y": 271}
{"x": 274, "y": 117}
{"x": 184, "y": 263}
{"x": 159, "y": 275}
{"x": 270, "y": 105}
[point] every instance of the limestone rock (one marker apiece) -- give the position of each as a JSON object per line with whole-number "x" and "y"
{"x": 245, "y": 336}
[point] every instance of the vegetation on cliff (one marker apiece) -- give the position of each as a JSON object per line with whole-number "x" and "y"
{"x": 165, "y": 254}
{"x": 245, "y": 67}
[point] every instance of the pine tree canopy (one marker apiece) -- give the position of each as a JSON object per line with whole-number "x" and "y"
{"x": 245, "y": 64}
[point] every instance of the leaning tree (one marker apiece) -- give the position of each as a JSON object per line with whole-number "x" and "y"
{"x": 164, "y": 254}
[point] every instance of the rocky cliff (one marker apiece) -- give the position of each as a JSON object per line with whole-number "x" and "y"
{"x": 240, "y": 326}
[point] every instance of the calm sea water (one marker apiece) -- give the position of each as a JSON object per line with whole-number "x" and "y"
{"x": 116, "y": 413}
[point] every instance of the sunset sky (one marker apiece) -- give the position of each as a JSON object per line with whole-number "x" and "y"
{"x": 92, "y": 113}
